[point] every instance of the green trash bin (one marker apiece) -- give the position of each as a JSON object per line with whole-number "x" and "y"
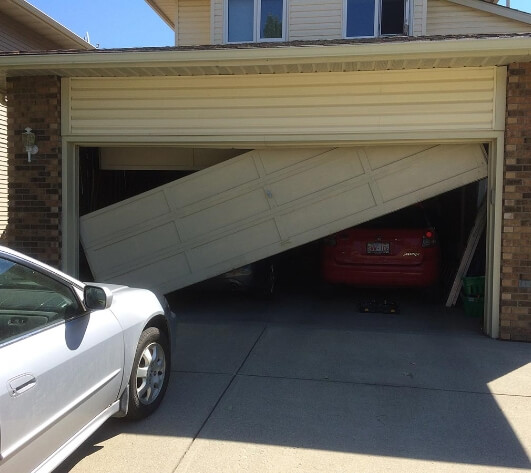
{"x": 474, "y": 286}
{"x": 473, "y": 295}
{"x": 474, "y": 305}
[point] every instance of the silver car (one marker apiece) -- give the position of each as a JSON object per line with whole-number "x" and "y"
{"x": 73, "y": 355}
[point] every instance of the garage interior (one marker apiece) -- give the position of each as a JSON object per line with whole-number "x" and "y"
{"x": 111, "y": 175}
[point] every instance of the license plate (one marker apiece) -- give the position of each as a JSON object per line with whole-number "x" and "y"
{"x": 378, "y": 248}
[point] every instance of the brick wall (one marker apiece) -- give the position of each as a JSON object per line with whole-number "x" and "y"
{"x": 34, "y": 189}
{"x": 515, "y": 314}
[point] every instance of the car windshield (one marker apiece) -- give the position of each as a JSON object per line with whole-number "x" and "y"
{"x": 410, "y": 217}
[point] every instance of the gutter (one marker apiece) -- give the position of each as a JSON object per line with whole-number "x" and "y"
{"x": 279, "y": 55}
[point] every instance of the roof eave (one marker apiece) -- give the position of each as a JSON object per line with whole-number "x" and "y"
{"x": 502, "y": 50}
{"x": 153, "y": 4}
{"x": 72, "y": 40}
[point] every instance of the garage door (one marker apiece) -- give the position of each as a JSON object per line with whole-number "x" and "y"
{"x": 261, "y": 203}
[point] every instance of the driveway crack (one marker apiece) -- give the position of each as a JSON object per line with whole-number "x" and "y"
{"x": 234, "y": 375}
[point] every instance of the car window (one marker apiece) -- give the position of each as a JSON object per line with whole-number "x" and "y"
{"x": 30, "y": 300}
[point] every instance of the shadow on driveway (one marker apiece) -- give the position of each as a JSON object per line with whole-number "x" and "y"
{"x": 313, "y": 385}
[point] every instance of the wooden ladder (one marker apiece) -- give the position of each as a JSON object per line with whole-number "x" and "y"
{"x": 472, "y": 243}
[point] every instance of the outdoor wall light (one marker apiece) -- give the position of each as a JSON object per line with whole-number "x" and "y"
{"x": 28, "y": 139}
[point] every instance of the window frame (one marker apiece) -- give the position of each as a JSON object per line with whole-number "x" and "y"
{"x": 257, "y": 19}
{"x": 377, "y": 19}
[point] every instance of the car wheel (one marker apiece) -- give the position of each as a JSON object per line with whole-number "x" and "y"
{"x": 150, "y": 373}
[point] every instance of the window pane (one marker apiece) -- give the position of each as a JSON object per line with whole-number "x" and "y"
{"x": 360, "y": 18}
{"x": 271, "y": 18}
{"x": 241, "y": 20}
{"x": 29, "y": 300}
{"x": 392, "y": 17}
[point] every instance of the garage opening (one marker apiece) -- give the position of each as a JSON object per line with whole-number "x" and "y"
{"x": 110, "y": 176}
{"x": 299, "y": 283}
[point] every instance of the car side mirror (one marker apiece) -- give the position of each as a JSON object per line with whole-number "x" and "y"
{"x": 97, "y": 298}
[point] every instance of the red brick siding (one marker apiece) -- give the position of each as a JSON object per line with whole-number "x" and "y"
{"x": 34, "y": 189}
{"x": 515, "y": 316}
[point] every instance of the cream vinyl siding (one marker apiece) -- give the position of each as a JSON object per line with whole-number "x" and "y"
{"x": 193, "y": 22}
{"x": 419, "y": 17}
{"x": 272, "y": 106}
{"x": 448, "y": 18}
{"x": 3, "y": 169}
{"x": 262, "y": 203}
{"x": 313, "y": 19}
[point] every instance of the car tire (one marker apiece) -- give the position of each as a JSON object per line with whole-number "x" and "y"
{"x": 150, "y": 373}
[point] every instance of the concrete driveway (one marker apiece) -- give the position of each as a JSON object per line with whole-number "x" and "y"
{"x": 302, "y": 385}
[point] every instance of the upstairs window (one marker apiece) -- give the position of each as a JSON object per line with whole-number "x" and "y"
{"x": 255, "y": 20}
{"x": 366, "y": 18}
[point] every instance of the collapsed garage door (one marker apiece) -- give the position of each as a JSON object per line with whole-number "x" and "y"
{"x": 262, "y": 203}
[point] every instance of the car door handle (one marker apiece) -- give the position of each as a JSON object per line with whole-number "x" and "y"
{"x": 20, "y": 384}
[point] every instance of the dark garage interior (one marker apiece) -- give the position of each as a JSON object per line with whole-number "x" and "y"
{"x": 297, "y": 272}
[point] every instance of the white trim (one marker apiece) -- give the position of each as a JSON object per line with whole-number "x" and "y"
{"x": 495, "y": 211}
{"x": 259, "y": 20}
{"x": 176, "y": 23}
{"x": 70, "y": 199}
{"x": 70, "y": 208}
{"x": 491, "y": 321}
{"x": 500, "y": 100}
{"x": 256, "y": 26}
{"x": 377, "y": 29}
{"x": 285, "y": 23}
{"x": 285, "y": 141}
{"x": 424, "y": 17}
{"x": 495, "y": 10}
{"x": 212, "y": 22}
{"x": 408, "y": 16}
{"x": 225, "y": 21}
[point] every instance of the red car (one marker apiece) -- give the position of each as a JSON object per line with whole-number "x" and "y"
{"x": 400, "y": 249}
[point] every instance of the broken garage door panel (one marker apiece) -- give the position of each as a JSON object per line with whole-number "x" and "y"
{"x": 262, "y": 203}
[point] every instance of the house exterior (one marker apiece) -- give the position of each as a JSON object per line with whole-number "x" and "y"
{"x": 25, "y": 28}
{"x": 302, "y": 118}
{"x": 202, "y": 22}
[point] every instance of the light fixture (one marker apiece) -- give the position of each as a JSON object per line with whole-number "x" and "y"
{"x": 28, "y": 139}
